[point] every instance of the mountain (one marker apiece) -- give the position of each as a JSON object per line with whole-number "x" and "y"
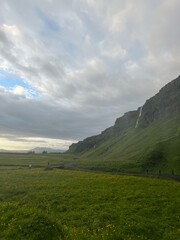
{"x": 147, "y": 138}
{"x": 46, "y": 150}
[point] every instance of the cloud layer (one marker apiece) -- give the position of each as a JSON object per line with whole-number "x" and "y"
{"x": 86, "y": 62}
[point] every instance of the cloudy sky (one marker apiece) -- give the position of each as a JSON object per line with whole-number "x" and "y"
{"x": 69, "y": 68}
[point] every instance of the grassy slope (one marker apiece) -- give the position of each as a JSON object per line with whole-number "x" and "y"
{"x": 36, "y": 160}
{"x": 43, "y": 205}
{"x": 155, "y": 147}
{"x": 131, "y": 151}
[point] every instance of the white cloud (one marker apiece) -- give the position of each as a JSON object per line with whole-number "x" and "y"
{"x": 112, "y": 50}
{"x": 18, "y": 90}
{"x": 90, "y": 61}
{"x": 11, "y": 30}
{"x": 10, "y": 142}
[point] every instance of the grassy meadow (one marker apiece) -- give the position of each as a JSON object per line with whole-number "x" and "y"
{"x": 44, "y": 204}
{"x": 155, "y": 147}
{"x": 14, "y": 161}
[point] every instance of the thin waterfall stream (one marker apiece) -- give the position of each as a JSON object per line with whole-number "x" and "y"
{"x": 137, "y": 122}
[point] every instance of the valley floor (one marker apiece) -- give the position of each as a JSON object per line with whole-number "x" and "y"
{"x": 61, "y": 204}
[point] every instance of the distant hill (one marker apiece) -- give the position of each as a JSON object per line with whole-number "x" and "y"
{"x": 48, "y": 150}
{"x": 145, "y": 139}
{"x": 34, "y": 150}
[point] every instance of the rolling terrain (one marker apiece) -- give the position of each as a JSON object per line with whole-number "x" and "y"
{"x": 38, "y": 204}
{"x": 146, "y": 139}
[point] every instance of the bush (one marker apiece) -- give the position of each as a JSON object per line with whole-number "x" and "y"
{"x": 154, "y": 158}
{"x": 20, "y": 223}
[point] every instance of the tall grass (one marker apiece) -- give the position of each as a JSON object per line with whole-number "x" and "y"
{"x": 62, "y": 204}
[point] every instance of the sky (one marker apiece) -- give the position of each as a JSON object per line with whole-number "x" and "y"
{"x": 69, "y": 68}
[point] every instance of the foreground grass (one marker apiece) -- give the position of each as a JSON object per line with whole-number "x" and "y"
{"x": 60, "y": 204}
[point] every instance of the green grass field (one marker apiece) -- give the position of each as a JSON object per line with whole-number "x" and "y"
{"x": 14, "y": 161}
{"x": 134, "y": 150}
{"x": 61, "y": 204}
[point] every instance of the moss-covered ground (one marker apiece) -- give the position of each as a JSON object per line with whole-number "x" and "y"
{"x": 61, "y": 204}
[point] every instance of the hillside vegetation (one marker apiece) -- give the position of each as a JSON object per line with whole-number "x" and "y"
{"x": 147, "y": 139}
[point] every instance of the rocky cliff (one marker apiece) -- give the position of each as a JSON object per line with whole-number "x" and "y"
{"x": 165, "y": 104}
{"x": 120, "y": 127}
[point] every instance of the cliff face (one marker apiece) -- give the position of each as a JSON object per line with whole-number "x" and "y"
{"x": 126, "y": 121}
{"x": 120, "y": 127}
{"x": 165, "y": 104}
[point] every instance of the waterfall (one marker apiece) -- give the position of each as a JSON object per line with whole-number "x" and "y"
{"x": 137, "y": 122}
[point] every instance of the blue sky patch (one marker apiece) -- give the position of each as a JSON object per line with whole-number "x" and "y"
{"x": 9, "y": 81}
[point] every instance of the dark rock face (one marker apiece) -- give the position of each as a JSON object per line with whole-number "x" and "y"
{"x": 84, "y": 145}
{"x": 165, "y": 103}
{"x": 120, "y": 127}
{"x": 128, "y": 120}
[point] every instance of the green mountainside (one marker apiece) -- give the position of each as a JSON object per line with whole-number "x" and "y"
{"x": 147, "y": 139}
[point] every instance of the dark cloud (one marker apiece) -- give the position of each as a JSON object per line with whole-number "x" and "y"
{"x": 27, "y": 117}
{"x": 88, "y": 61}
